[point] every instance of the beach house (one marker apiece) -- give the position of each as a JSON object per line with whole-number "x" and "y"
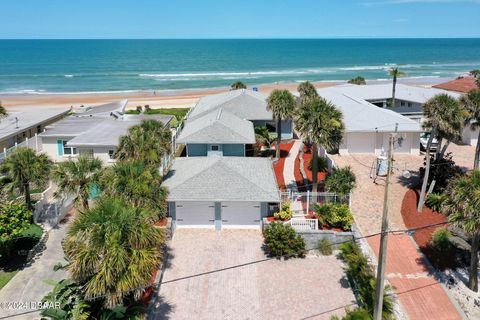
{"x": 20, "y": 128}
{"x": 367, "y": 126}
{"x": 94, "y": 132}
{"x": 224, "y": 124}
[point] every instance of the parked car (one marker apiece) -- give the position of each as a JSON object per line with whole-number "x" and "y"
{"x": 424, "y": 141}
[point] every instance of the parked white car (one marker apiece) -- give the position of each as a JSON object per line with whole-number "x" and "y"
{"x": 424, "y": 141}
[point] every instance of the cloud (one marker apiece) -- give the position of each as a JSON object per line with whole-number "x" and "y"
{"x": 418, "y": 1}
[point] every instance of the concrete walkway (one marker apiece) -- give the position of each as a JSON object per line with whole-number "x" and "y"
{"x": 28, "y": 285}
{"x": 289, "y": 173}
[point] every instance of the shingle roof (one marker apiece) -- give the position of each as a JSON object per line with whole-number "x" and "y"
{"x": 362, "y": 116}
{"x": 245, "y": 104}
{"x": 463, "y": 85}
{"x": 217, "y": 126}
{"x": 17, "y": 122}
{"x": 104, "y": 109}
{"x": 222, "y": 179}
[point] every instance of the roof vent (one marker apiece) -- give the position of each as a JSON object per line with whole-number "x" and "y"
{"x": 219, "y": 114}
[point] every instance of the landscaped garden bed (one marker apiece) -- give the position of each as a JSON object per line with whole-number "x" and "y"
{"x": 307, "y": 157}
{"x": 279, "y": 164}
{"x": 440, "y": 259}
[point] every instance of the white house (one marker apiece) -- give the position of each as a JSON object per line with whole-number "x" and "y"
{"x": 367, "y": 127}
{"x": 93, "y": 132}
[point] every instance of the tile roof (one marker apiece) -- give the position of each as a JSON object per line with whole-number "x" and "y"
{"x": 222, "y": 179}
{"x": 463, "y": 85}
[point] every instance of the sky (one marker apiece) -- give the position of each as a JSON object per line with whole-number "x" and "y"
{"x": 125, "y": 19}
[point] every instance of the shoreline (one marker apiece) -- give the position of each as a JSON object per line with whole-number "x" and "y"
{"x": 177, "y": 98}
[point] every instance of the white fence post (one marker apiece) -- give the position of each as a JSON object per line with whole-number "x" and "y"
{"x": 308, "y": 201}
{"x": 36, "y": 142}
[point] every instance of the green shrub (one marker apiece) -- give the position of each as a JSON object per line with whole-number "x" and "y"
{"x": 341, "y": 181}
{"x": 325, "y": 247}
{"x": 357, "y": 80}
{"x": 322, "y": 164}
{"x": 282, "y": 241}
{"x": 335, "y": 215}
{"x": 362, "y": 278}
{"x": 355, "y": 314}
{"x": 285, "y": 212}
{"x": 441, "y": 239}
{"x": 435, "y": 201}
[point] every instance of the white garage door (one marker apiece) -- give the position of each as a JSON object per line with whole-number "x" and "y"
{"x": 195, "y": 214}
{"x": 358, "y": 142}
{"x": 241, "y": 214}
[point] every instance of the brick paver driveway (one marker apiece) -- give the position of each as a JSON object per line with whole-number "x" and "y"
{"x": 225, "y": 275}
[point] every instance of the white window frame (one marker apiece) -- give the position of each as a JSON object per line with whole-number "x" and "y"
{"x": 72, "y": 151}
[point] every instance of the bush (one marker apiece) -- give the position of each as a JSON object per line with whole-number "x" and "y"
{"x": 441, "y": 239}
{"x": 442, "y": 171}
{"x": 282, "y": 241}
{"x": 322, "y": 164}
{"x": 325, "y": 247}
{"x": 357, "y": 80}
{"x": 362, "y": 278}
{"x": 335, "y": 214}
{"x": 341, "y": 181}
{"x": 435, "y": 201}
{"x": 285, "y": 212}
{"x": 355, "y": 314}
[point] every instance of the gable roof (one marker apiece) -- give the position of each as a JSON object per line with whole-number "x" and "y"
{"x": 463, "y": 85}
{"x": 217, "y": 126}
{"x": 360, "y": 115}
{"x": 245, "y": 104}
{"x": 222, "y": 179}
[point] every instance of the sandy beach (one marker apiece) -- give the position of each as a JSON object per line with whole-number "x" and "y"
{"x": 155, "y": 99}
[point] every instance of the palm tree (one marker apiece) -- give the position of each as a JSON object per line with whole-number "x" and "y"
{"x": 320, "y": 122}
{"x": 238, "y": 85}
{"x": 471, "y": 102}
{"x": 24, "y": 168}
{"x": 445, "y": 118}
{"x": 77, "y": 178}
{"x": 462, "y": 207}
{"x": 113, "y": 250}
{"x": 147, "y": 142}
{"x": 263, "y": 136}
{"x": 307, "y": 92}
{"x": 282, "y": 104}
{"x": 137, "y": 184}
{"x": 395, "y": 73}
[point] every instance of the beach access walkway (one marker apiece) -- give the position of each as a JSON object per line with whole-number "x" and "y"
{"x": 289, "y": 176}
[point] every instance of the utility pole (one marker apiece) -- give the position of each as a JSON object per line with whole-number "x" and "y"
{"x": 377, "y": 315}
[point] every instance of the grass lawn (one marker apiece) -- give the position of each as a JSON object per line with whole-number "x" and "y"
{"x": 6, "y": 276}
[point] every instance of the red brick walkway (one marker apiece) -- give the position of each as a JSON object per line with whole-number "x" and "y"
{"x": 420, "y": 294}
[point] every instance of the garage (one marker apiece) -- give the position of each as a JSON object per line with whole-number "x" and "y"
{"x": 360, "y": 142}
{"x": 241, "y": 214}
{"x": 196, "y": 213}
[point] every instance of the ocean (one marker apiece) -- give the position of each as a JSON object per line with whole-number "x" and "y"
{"x": 57, "y": 66}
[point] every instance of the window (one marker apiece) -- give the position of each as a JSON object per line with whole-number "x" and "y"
{"x": 402, "y": 103}
{"x": 409, "y": 104}
{"x": 215, "y": 148}
{"x": 39, "y": 129}
{"x": 111, "y": 153}
{"x": 68, "y": 151}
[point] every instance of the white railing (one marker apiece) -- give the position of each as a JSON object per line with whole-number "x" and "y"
{"x": 32, "y": 143}
{"x": 303, "y": 224}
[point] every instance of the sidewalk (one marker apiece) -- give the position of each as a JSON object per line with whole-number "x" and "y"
{"x": 28, "y": 284}
{"x": 289, "y": 173}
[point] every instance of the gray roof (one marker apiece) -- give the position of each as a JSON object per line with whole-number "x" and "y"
{"x": 384, "y": 91}
{"x": 97, "y": 130}
{"x": 217, "y": 126}
{"x": 361, "y": 116}
{"x": 9, "y": 126}
{"x": 222, "y": 179}
{"x": 108, "y": 132}
{"x": 103, "y": 109}
{"x": 243, "y": 103}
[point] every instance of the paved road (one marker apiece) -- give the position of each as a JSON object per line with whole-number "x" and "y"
{"x": 28, "y": 285}
{"x": 225, "y": 275}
